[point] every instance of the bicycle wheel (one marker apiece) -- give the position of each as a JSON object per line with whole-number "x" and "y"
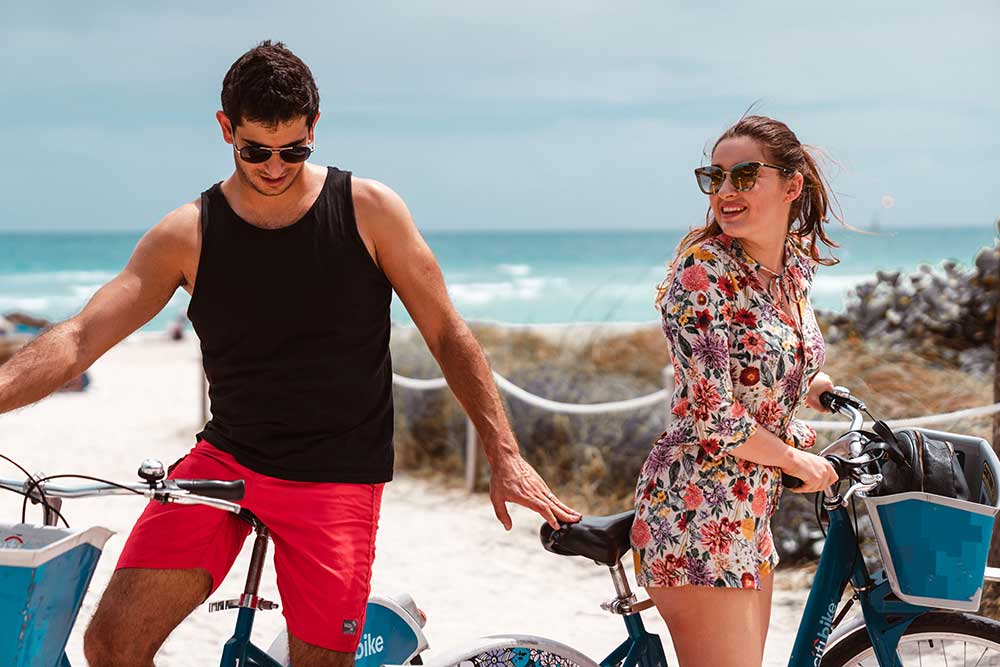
{"x": 936, "y": 638}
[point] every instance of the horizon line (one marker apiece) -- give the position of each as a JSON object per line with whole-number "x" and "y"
{"x": 528, "y": 230}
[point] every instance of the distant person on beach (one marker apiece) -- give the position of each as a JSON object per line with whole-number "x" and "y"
{"x": 175, "y": 330}
{"x": 746, "y": 352}
{"x": 302, "y": 411}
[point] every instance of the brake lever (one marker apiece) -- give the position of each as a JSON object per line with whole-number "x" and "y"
{"x": 866, "y": 482}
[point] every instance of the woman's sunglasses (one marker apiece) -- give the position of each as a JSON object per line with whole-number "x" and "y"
{"x": 743, "y": 176}
{"x": 258, "y": 154}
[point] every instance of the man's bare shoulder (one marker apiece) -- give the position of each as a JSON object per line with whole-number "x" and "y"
{"x": 179, "y": 230}
{"x": 375, "y": 201}
{"x": 382, "y": 218}
{"x": 173, "y": 245}
{"x": 181, "y": 222}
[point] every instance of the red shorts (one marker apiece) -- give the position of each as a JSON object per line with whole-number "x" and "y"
{"x": 323, "y": 535}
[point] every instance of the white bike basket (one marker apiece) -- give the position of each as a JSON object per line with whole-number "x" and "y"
{"x": 934, "y": 548}
{"x": 44, "y": 574}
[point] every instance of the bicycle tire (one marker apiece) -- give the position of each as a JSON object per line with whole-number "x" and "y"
{"x": 935, "y": 638}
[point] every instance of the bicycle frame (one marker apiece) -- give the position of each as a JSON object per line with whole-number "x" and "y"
{"x": 641, "y": 649}
{"x": 841, "y": 563}
{"x": 239, "y": 651}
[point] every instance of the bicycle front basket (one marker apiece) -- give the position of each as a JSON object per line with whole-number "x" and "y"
{"x": 44, "y": 574}
{"x": 934, "y": 548}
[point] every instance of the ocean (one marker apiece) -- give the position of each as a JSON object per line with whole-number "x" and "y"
{"x": 510, "y": 277}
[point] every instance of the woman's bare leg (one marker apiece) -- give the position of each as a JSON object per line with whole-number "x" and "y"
{"x": 720, "y": 627}
{"x": 764, "y": 607}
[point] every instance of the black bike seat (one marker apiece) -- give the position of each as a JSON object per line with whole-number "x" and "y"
{"x": 603, "y": 539}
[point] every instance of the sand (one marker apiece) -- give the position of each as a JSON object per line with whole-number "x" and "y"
{"x": 442, "y": 546}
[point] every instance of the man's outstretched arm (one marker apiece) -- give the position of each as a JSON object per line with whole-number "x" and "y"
{"x": 407, "y": 261}
{"x": 124, "y": 304}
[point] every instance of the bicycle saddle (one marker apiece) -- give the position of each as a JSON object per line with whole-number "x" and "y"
{"x": 603, "y": 539}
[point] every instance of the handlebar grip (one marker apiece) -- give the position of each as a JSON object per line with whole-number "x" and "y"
{"x": 834, "y": 402}
{"x": 827, "y": 399}
{"x": 837, "y": 462}
{"x": 790, "y": 482}
{"x": 213, "y": 488}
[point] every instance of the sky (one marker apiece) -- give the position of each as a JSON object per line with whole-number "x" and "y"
{"x": 506, "y": 115}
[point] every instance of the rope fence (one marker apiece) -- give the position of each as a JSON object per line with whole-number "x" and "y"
{"x": 472, "y": 441}
{"x": 650, "y": 400}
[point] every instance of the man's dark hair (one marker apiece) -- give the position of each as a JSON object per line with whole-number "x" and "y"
{"x": 270, "y": 85}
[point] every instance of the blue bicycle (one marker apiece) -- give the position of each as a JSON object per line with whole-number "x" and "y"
{"x": 46, "y": 570}
{"x": 914, "y": 611}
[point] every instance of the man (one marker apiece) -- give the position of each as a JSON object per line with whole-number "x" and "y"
{"x": 302, "y": 411}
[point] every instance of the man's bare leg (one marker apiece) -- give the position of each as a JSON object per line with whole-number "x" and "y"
{"x": 137, "y": 612}
{"x": 309, "y": 655}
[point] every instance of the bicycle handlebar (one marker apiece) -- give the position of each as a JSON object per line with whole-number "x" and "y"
{"x": 209, "y": 488}
{"x": 213, "y": 493}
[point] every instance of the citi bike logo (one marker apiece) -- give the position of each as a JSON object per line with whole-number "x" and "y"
{"x": 369, "y": 646}
{"x": 826, "y": 625}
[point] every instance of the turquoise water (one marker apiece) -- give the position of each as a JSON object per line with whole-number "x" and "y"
{"x": 517, "y": 277}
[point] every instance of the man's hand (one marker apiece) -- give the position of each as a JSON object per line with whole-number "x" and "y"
{"x": 821, "y": 382}
{"x": 513, "y": 480}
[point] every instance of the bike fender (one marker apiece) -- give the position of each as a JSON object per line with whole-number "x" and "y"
{"x": 846, "y": 627}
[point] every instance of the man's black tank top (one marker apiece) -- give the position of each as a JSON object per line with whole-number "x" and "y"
{"x": 294, "y": 327}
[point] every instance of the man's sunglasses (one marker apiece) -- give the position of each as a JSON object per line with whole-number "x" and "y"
{"x": 743, "y": 176}
{"x": 258, "y": 154}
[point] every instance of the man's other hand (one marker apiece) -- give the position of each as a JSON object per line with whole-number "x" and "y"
{"x": 513, "y": 480}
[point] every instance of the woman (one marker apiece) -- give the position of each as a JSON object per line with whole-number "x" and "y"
{"x": 746, "y": 350}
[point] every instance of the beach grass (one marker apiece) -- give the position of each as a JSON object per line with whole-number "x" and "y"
{"x": 593, "y": 461}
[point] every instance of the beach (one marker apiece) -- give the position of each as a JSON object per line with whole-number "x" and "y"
{"x": 436, "y": 542}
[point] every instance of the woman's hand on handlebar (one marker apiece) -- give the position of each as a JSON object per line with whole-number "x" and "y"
{"x": 820, "y": 383}
{"x": 815, "y": 471}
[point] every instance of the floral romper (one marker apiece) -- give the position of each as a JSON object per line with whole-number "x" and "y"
{"x": 702, "y": 514}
